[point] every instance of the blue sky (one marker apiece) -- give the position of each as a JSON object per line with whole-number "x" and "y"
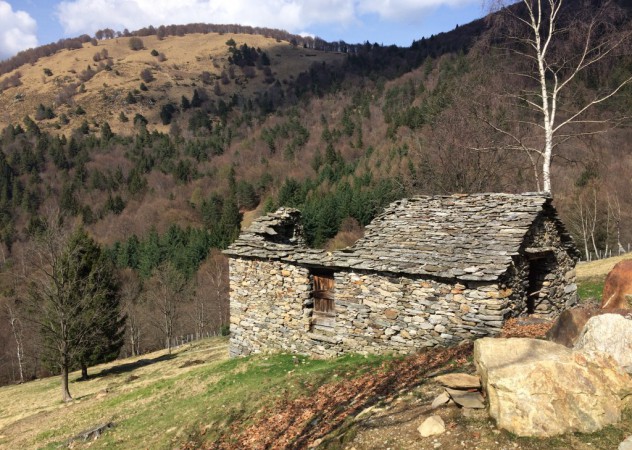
{"x": 28, "y": 23}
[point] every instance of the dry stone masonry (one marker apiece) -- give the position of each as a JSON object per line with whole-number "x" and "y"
{"x": 429, "y": 271}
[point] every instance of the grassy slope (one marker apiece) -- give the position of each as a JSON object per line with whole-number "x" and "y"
{"x": 104, "y": 97}
{"x": 157, "y": 401}
{"x": 591, "y": 276}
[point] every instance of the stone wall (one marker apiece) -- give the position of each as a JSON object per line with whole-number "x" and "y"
{"x": 544, "y": 252}
{"x": 271, "y": 309}
{"x": 268, "y": 306}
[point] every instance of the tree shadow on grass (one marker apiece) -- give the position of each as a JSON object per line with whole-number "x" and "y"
{"x": 129, "y": 367}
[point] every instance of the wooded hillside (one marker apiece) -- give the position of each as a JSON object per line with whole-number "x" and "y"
{"x": 161, "y": 145}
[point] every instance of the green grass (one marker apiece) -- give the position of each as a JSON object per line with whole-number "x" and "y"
{"x": 590, "y": 289}
{"x": 168, "y": 404}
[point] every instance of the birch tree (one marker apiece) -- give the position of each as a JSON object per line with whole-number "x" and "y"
{"x": 210, "y": 302}
{"x": 558, "y": 42}
{"x": 10, "y": 309}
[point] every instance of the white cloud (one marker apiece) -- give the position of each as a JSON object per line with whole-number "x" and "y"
{"x": 87, "y": 16}
{"x": 404, "y": 10}
{"x": 17, "y": 31}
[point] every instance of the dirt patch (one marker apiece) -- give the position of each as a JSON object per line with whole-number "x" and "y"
{"x": 395, "y": 427}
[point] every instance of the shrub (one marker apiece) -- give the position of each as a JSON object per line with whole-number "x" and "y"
{"x": 206, "y": 77}
{"x": 43, "y": 113}
{"x": 66, "y": 94}
{"x": 166, "y": 113}
{"x": 87, "y": 74}
{"x": 249, "y": 71}
{"x": 146, "y": 75}
{"x": 48, "y": 72}
{"x": 154, "y": 52}
{"x": 139, "y": 119}
{"x": 136, "y": 43}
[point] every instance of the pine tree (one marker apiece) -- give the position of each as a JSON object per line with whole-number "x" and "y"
{"x": 105, "y": 322}
{"x": 196, "y": 101}
{"x": 106, "y": 133}
{"x": 73, "y": 297}
{"x": 230, "y": 223}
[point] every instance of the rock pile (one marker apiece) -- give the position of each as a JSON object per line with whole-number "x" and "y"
{"x": 462, "y": 389}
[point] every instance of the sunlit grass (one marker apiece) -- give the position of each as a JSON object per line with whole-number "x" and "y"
{"x": 167, "y": 402}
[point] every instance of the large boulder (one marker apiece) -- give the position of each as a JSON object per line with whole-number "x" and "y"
{"x": 570, "y": 324}
{"x": 617, "y": 289}
{"x": 611, "y": 334}
{"x": 539, "y": 388}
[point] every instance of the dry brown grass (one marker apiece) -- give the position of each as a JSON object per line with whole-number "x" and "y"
{"x": 599, "y": 268}
{"x": 104, "y": 97}
{"x": 32, "y": 414}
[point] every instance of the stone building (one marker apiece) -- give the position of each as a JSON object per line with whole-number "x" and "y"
{"x": 429, "y": 271}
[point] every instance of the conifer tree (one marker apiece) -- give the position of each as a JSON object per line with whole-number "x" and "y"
{"x": 100, "y": 286}
{"x": 73, "y": 298}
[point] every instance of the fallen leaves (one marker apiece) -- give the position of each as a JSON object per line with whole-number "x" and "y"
{"x": 299, "y": 423}
{"x": 525, "y": 328}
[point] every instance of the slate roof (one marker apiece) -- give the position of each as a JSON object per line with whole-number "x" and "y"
{"x": 467, "y": 237}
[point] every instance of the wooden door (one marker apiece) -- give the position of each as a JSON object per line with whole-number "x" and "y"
{"x": 323, "y": 294}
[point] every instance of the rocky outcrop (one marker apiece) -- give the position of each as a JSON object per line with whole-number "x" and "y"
{"x": 626, "y": 444}
{"x": 611, "y": 334}
{"x": 459, "y": 381}
{"x": 539, "y": 388}
{"x": 569, "y": 325}
{"x": 466, "y": 399}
